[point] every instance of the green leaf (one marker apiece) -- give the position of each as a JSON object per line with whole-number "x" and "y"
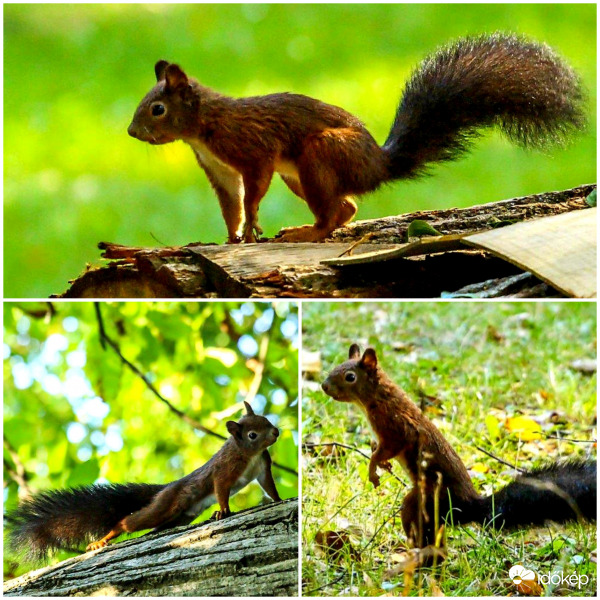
{"x": 591, "y": 199}
{"x": 420, "y": 228}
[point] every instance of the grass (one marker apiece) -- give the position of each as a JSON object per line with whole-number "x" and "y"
{"x": 74, "y": 73}
{"x": 476, "y": 365}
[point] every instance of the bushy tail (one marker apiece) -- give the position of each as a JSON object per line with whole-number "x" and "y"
{"x": 67, "y": 518}
{"x": 559, "y": 492}
{"x": 523, "y": 87}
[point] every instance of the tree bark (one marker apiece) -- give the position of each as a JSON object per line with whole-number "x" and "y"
{"x": 251, "y": 553}
{"x": 268, "y": 270}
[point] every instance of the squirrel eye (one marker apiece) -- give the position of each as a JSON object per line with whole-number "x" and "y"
{"x": 158, "y": 110}
{"x": 350, "y": 377}
{"x": 253, "y": 435}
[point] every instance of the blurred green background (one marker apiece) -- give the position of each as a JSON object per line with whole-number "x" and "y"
{"x": 74, "y": 414}
{"x": 73, "y": 75}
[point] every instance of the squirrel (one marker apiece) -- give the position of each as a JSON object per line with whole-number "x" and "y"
{"x": 326, "y": 156}
{"x": 62, "y": 518}
{"x": 556, "y": 492}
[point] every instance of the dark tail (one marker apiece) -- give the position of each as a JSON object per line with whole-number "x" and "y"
{"x": 67, "y": 518}
{"x": 560, "y": 492}
{"x": 523, "y": 87}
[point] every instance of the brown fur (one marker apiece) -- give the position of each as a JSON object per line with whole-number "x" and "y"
{"x": 327, "y": 157}
{"x": 66, "y": 518}
{"x": 556, "y": 491}
{"x": 404, "y": 433}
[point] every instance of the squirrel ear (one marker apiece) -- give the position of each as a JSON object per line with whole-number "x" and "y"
{"x": 249, "y": 410}
{"x": 175, "y": 77}
{"x": 159, "y": 69}
{"x": 234, "y": 428}
{"x": 354, "y": 351}
{"x": 369, "y": 359}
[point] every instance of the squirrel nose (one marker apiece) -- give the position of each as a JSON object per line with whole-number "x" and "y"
{"x": 131, "y": 131}
{"x": 325, "y": 386}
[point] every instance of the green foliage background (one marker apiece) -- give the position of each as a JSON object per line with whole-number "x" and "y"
{"x": 58, "y": 381}
{"x": 471, "y": 365}
{"x": 73, "y": 75}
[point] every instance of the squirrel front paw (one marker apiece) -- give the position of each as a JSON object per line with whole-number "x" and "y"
{"x": 221, "y": 514}
{"x": 252, "y": 232}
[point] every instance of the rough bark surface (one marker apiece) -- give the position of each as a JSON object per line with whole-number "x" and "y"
{"x": 267, "y": 270}
{"x": 251, "y": 553}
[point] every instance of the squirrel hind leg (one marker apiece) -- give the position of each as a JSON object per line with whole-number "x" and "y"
{"x": 330, "y": 215}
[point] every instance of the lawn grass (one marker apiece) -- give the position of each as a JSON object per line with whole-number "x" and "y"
{"x": 473, "y": 365}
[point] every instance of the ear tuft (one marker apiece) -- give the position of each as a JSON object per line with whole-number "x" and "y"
{"x": 175, "y": 78}
{"x": 354, "y": 351}
{"x": 249, "y": 410}
{"x": 234, "y": 429}
{"x": 369, "y": 359}
{"x": 159, "y": 69}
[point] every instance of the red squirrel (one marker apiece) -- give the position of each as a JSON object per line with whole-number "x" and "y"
{"x": 557, "y": 492}
{"x": 63, "y": 518}
{"x": 327, "y": 157}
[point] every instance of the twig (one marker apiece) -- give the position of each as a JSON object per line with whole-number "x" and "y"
{"x": 363, "y": 239}
{"x": 307, "y": 445}
{"x": 104, "y": 339}
{"x": 564, "y": 439}
{"x": 500, "y": 460}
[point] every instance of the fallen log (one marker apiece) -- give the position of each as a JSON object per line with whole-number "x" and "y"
{"x": 267, "y": 270}
{"x": 251, "y": 553}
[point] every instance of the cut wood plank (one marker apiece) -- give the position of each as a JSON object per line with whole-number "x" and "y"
{"x": 560, "y": 250}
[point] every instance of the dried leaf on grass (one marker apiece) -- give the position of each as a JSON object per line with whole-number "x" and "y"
{"x": 336, "y": 545}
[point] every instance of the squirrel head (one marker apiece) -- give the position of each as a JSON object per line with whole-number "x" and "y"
{"x": 169, "y": 111}
{"x": 355, "y": 379}
{"x": 253, "y": 432}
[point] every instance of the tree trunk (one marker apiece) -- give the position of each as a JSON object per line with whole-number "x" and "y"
{"x": 251, "y": 553}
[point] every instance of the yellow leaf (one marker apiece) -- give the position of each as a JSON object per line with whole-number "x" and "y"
{"x": 526, "y": 428}
{"x": 480, "y": 468}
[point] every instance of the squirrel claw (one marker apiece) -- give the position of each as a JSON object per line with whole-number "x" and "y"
{"x": 305, "y": 233}
{"x": 386, "y": 465}
{"x": 95, "y": 546}
{"x": 218, "y": 515}
{"x": 252, "y": 232}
